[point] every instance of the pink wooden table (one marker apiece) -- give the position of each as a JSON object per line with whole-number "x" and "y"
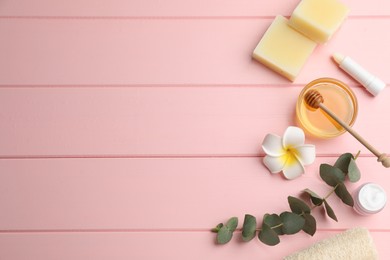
{"x": 128, "y": 129}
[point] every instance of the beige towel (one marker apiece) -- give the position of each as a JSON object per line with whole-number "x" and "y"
{"x": 353, "y": 244}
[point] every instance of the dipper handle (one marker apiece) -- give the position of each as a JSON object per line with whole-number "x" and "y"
{"x": 382, "y": 157}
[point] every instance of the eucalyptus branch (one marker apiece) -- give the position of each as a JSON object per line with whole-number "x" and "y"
{"x": 300, "y": 217}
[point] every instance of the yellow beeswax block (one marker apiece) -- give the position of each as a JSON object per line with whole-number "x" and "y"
{"x": 318, "y": 19}
{"x": 283, "y": 49}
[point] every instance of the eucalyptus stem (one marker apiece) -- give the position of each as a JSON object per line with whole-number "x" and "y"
{"x": 357, "y": 155}
{"x": 332, "y": 191}
{"x": 273, "y": 227}
{"x": 279, "y": 225}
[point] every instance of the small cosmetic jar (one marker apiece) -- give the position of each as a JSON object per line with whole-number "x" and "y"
{"x": 370, "y": 198}
{"x": 338, "y": 97}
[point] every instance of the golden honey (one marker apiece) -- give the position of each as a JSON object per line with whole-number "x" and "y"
{"x": 338, "y": 97}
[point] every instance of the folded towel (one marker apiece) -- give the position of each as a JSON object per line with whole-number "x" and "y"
{"x": 353, "y": 244}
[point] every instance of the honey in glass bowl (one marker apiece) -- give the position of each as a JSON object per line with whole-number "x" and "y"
{"x": 338, "y": 97}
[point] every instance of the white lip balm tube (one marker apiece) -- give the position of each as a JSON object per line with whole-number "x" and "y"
{"x": 369, "y": 81}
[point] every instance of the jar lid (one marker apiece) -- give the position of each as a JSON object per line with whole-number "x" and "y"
{"x": 371, "y": 198}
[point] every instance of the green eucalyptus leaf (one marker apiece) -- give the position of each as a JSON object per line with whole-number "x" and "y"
{"x": 353, "y": 171}
{"x": 316, "y": 199}
{"x": 342, "y": 192}
{"x": 275, "y": 222}
{"x": 232, "y": 224}
{"x": 329, "y": 211}
{"x": 268, "y": 236}
{"x": 224, "y": 235}
{"x": 343, "y": 162}
{"x": 249, "y": 228}
{"x": 292, "y": 223}
{"x": 217, "y": 228}
{"x": 298, "y": 206}
{"x": 331, "y": 175}
{"x": 310, "y": 226}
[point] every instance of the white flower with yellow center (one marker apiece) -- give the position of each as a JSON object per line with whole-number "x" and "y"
{"x": 288, "y": 154}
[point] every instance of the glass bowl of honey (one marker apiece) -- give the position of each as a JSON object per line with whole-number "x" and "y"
{"x": 338, "y": 97}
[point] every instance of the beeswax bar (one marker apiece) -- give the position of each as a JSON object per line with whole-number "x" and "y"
{"x": 283, "y": 49}
{"x": 318, "y": 19}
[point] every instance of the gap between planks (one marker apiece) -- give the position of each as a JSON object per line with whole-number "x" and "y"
{"x": 195, "y": 17}
{"x": 103, "y": 86}
{"x": 167, "y": 230}
{"x": 107, "y": 156}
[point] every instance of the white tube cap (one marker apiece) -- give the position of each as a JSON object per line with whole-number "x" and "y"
{"x": 375, "y": 86}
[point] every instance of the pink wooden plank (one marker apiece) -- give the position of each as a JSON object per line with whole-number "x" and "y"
{"x": 164, "y": 121}
{"x": 171, "y": 8}
{"x": 161, "y": 194}
{"x": 150, "y": 245}
{"x": 155, "y": 51}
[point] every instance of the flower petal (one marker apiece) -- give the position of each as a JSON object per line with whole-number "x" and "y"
{"x": 293, "y": 136}
{"x": 274, "y": 164}
{"x": 272, "y": 145}
{"x": 306, "y": 153}
{"x": 293, "y": 168}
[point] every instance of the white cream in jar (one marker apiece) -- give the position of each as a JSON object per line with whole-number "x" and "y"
{"x": 370, "y": 198}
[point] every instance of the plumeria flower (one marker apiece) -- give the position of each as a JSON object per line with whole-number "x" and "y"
{"x": 288, "y": 154}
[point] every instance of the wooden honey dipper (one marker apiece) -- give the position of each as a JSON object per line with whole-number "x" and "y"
{"x": 314, "y": 99}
